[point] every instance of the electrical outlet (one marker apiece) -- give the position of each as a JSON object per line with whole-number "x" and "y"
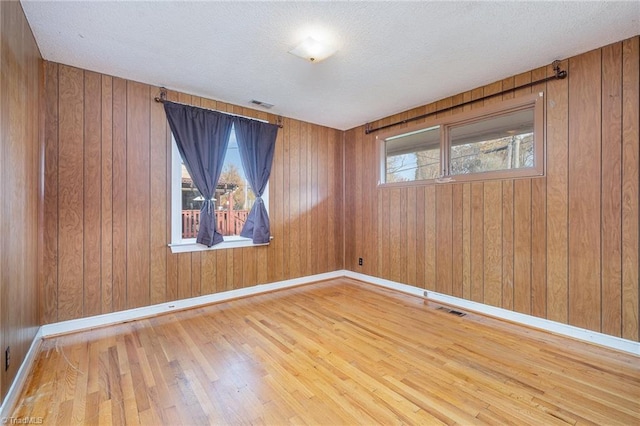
{"x": 360, "y": 261}
{"x": 7, "y": 358}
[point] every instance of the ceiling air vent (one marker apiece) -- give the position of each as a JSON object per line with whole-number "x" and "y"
{"x": 261, "y": 104}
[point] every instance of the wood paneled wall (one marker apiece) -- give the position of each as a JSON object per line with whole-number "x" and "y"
{"x": 107, "y": 202}
{"x": 20, "y": 146}
{"x": 562, "y": 247}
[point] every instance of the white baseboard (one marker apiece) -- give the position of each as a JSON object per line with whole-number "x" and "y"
{"x": 64, "y": 327}
{"x": 148, "y": 311}
{"x": 20, "y": 380}
{"x": 528, "y": 320}
{"x": 80, "y": 324}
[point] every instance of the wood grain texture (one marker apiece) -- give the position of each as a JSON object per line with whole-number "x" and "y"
{"x": 630, "y": 188}
{"x": 568, "y": 249}
{"x": 70, "y": 193}
{"x": 557, "y": 113}
{"x": 444, "y": 235}
{"x": 22, "y": 223}
{"x": 492, "y": 243}
{"x": 106, "y": 190}
{"x": 477, "y": 242}
{"x": 338, "y": 352}
{"x": 49, "y": 273}
{"x": 92, "y": 178}
{"x": 584, "y": 190}
{"x": 611, "y": 194}
{"x": 118, "y": 142}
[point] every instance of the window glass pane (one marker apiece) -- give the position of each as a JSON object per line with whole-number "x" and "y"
{"x": 233, "y": 200}
{"x": 413, "y": 156}
{"x": 497, "y": 143}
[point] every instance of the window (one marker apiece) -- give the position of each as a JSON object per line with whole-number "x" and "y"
{"x": 500, "y": 141}
{"x": 233, "y": 201}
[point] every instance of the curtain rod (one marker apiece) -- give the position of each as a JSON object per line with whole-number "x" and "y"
{"x": 559, "y": 74}
{"x": 163, "y": 98}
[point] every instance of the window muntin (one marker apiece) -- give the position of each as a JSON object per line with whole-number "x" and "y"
{"x": 503, "y": 140}
{"x": 233, "y": 201}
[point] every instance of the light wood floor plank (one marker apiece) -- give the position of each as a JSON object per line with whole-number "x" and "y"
{"x": 335, "y": 352}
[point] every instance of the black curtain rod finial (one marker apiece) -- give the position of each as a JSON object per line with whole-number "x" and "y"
{"x": 163, "y": 95}
{"x": 560, "y": 74}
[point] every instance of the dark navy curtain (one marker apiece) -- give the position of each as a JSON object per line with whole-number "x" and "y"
{"x": 202, "y": 137}
{"x": 256, "y": 143}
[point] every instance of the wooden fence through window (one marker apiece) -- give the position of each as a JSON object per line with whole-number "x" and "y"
{"x": 228, "y": 222}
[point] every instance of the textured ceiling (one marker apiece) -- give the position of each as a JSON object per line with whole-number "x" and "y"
{"x": 391, "y": 56}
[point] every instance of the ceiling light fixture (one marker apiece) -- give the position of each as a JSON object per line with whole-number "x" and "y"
{"x": 313, "y": 50}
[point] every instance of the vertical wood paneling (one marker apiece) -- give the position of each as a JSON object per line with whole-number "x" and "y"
{"x": 49, "y": 285}
{"x": 184, "y": 275}
{"x": 403, "y": 240}
{"x": 358, "y": 195}
{"x": 557, "y": 199}
{"x": 611, "y": 193}
{"x": 208, "y": 271}
{"x": 466, "y": 241}
{"x": 322, "y": 206}
{"x": 533, "y": 245}
{"x": 477, "y": 242}
{"x": 430, "y": 237}
{"x": 294, "y": 199}
{"x": 22, "y": 221}
{"x": 507, "y": 244}
{"x": 630, "y": 188}
{"x": 171, "y": 284}
{"x": 92, "y": 193}
{"x": 119, "y": 194}
{"x": 525, "y": 245}
{"x": 159, "y": 196}
{"x": 522, "y": 246}
{"x": 70, "y": 193}
{"x": 584, "y": 190}
{"x": 106, "y": 253}
{"x": 444, "y": 234}
{"x": 303, "y": 142}
{"x": 138, "y": 197}
{"x": 456, "y": 240}
{"x": 493, "y": 243}
{"x": 538, "y": 229}
{"x": 395, "y": 236}
{"x": 118, "y": 144}
{"x": 336, "y": 164}
{"x": 538, "y": 248}
{"x": 411, "y": 239}
{"x": 196, "y": 274}
{"x": 335, "y": 204}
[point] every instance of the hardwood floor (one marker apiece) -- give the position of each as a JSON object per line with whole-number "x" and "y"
{"x": 336, "y": 352}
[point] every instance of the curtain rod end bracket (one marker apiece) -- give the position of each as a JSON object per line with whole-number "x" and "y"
{"x": 163, "y": 95}
{"x": 279, "y": 121}
{"x": 560, "y": 74}
{"x": 367, "y": 128}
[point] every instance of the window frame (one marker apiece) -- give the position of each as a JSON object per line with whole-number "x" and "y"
{"x": 535, "y": 101}
{"x": 184, "y": 245}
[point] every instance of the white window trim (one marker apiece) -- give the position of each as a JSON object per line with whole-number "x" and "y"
{"x": 180, "y": 245}
{"x": 534, "y": 100}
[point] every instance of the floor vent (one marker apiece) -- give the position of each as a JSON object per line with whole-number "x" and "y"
{"x": 451, "y": 311}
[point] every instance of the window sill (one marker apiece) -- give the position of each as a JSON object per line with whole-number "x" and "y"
{"x": 229, "y": 243}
